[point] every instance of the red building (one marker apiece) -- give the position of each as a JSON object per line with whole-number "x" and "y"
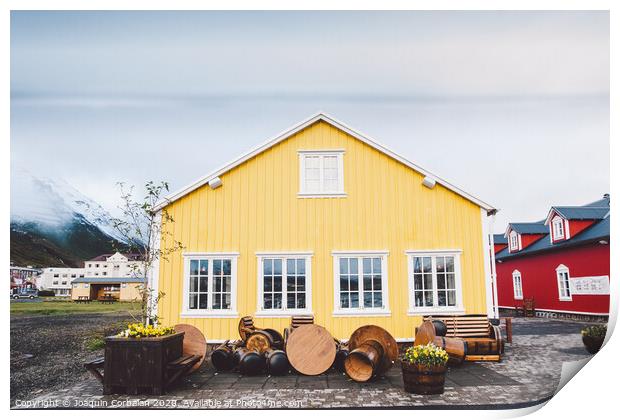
{"x": 562, "y": 262}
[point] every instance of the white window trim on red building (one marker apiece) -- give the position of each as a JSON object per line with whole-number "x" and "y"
{"x": 562, "y": 271}
{"x": 517, "y": 285}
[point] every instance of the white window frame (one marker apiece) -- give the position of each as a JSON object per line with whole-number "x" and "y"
{"x": 515, "y": 241}
{"x": 186, "y": 312}
{"x": 436, "y": 309}
{"x": 557, "y": 225}
{"x": 516, "y": 277}
{"x": 559, "y": 272}
{"x": 361, "y": 311}
{"x": 283, "y": 312}
{"x": 339, "y": 155}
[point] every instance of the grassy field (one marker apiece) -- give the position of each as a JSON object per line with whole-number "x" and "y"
{"x": 65, "y": 307}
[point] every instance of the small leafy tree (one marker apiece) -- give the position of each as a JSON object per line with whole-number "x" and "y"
{"x": 144, "y": 230}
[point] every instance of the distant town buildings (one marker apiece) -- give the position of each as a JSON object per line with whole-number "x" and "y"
{"x": 23, "y": 277}
{"x": 104, "y": 274}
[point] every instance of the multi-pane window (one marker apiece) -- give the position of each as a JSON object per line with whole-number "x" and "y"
{"x": 558, "y": 228}
{"x": 517, "y": 285}
{"x": 321, "y": 172}
{"x": 514, "y": 240}
{"x": 210, "y": 283}
{"x": 284, "y": 283}
{"x": 360, "y": 282}
{"x": 563, "y": 283}
{"x": 434, "y": 281}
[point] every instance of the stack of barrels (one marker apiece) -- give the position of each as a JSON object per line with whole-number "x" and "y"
{"x": 258, "y": 350}
{"x": 308, "y": 348}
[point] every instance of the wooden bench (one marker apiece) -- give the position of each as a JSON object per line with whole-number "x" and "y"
{"x": 527, "y": 308}
{"x": 82, "y": 299}
{"x": 180, "y": 367}
{"x": 484, "y": 340}
{"x": 174, "y": 370}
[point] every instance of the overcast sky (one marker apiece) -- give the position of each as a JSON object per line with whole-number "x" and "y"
{"x": 513, "y": 107}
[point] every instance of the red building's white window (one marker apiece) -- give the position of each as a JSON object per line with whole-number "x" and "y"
{"x": 517, "y": 284}
{"x": 514, "y": 241}
{"x": 563, "y": 282}
{"x": 558, "y": 228}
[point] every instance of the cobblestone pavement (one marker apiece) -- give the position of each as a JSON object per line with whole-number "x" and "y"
{"x": 528, "y": 374}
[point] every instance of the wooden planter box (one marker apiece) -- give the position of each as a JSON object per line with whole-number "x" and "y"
{"x": 424, "y": 380}
{"x": 139, "y": 365}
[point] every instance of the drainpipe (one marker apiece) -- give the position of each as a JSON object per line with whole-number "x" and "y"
{"x": 493, "y": 268}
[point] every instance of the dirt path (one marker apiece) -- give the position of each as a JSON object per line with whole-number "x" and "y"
{"x": 48, "y": 352}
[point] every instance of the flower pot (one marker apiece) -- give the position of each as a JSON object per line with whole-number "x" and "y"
{"x": 593, "y": 344}
{"x": 138, "y": 365}
{"x": 424, "y": 380}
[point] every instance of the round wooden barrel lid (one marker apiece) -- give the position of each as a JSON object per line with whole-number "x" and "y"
{"x": 311, "y": 349}
{"x": 194, "y": 342}
{"x": 426, "y": 334}
{"x": 373, "y": 332}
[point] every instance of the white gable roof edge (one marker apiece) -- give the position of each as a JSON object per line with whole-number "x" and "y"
{"x": 299, "y": 127}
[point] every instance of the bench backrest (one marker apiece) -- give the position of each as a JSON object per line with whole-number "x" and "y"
{"x": 299, "y": 320}
{"x": 465, "y": 325}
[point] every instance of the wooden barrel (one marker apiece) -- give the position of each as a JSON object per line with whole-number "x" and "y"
{"x": 372, "y": 351}
{"x": 249, "y": 362}
{"x": 424, "y": 380}
{"x": 440, "y": 328}
{"x": 310, "y": 349}
{"x": 260, "y": 341}
{"x": 341, "y": 355}
{"x": 222, "y": 357}
{"x": 363, "y": 361}
{"x": 456, "y": 348}
{"x": 278, "y": 340}
{"x": 483, "y": 347}
{"x": 277, "y": 362}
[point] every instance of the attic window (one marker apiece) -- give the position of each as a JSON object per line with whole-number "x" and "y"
{"x": 558, "y": 227}
{"x": 321, "y": 173}
{"x": 514, "y": 241}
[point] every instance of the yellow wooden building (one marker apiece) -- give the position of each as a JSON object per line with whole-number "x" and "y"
{"x": 323, "y": 220}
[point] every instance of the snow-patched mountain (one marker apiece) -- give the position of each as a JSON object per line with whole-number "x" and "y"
{"x": 52, "y": 222}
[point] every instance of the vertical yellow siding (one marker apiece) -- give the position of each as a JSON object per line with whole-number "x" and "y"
{"x": 386, "y": 208}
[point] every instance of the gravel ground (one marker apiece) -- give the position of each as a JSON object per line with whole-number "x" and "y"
{"x": 48, "y": 352}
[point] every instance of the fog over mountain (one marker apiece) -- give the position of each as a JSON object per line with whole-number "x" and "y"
{"x": 53, "y": 223}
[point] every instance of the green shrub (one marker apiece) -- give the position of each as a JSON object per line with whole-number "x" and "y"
{"x": 46, "y": 293}
{"x": 95, "y": 343}
{"x": 598, "y": 331}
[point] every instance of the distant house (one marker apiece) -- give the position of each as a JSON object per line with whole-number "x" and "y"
{"x": 23, "y": 277}
{"x": 322, "y": 220}
{"x": 562, "y": 262}
{"x": 499, "y": 242}
{"x": 118, "y": 276}
{"x": 58, "y": 279}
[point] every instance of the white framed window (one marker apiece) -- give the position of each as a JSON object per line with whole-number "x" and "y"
{"x": 558, "y": 227}
{"x": 514, "y": 241}
{"x": 284, "y": 284}
{"x": 517, "y": 285}
{"x": 360, "y": 283}
{"x": 563, "y": 276}
{"x": 434, "y": 281}
{"x": 210, "y": 285}
{"x": 321, "y": 173}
